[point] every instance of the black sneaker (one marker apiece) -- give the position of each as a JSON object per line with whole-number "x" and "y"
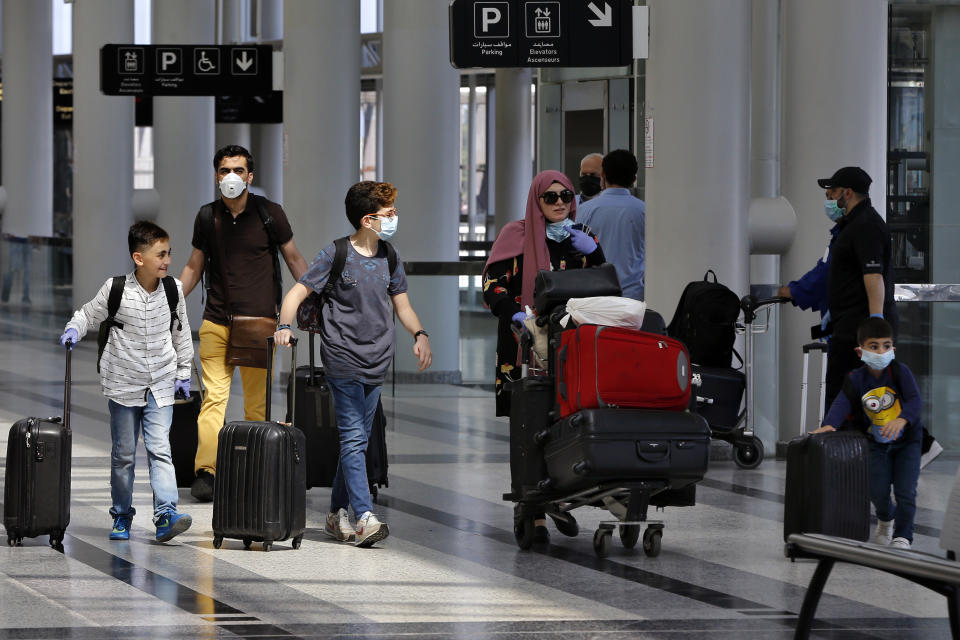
{"x": 202, "y": 489}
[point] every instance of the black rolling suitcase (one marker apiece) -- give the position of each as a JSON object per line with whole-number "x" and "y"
{"x": 36, "y": 496}
{"x": 310, "y": 404}
{"x": 827, "y": 484}
{"x": 719, "y": 394}
{"x": 602, "y": 445}
{"x": 183, "y": 433}
{"x": 531, "y": 401}
{"x": 260, "y": 491}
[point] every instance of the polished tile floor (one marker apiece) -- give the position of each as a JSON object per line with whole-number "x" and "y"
{"x": 450, "y": 568}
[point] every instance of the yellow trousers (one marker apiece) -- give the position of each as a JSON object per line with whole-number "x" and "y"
{"x": 217, "y": 376}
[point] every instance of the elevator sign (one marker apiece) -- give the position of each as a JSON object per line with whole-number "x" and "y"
{"x": 548, "y": 33}
{"x": 186, "y": 70}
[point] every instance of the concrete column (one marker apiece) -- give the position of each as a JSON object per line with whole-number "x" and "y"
{"x": 698, "y": 94}
{"x": 943, "y": 93}
{"x": 271, "y": 20}
{"x": 830, "y": 120}
{"x": 421, "y": 135}
{"x": 234, "y": 30}
{"x": 321, "y": 118}
{"x": 512, "y": 164}
{"x": 267, "y": 139}
{"x": 27, "y": 147}
{"x": 765, "y": 183}
{"x": 183, "y": 138}
{"x": 103, "y": 151}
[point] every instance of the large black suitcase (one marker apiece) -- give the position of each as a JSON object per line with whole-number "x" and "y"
{"x": 827, "y": 486}
{"x": 531, "y": 401}
{"x": 594, "y": 446}
{"x": 310, "y": 403}
{"x": 183, "y": 434}
{"x": 36, "y": 495}
{"x": 719, "y": 394}
{"x": 316, "y": 417}
{"x": 260, "y": 491}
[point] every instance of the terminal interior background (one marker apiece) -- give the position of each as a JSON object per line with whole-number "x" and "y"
{"x": 739, "y": 107}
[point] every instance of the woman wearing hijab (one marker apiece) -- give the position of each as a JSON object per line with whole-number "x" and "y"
{"x": 547, "y": 238}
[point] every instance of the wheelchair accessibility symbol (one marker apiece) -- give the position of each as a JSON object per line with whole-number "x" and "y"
{"x": 206, "y": 61}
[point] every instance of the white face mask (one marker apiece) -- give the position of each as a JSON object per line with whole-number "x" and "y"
{"x": 388, "y": 227}
{"x": 232, "y": 186}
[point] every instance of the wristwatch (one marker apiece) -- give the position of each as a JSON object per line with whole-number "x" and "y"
{"x": 420, "y": 333}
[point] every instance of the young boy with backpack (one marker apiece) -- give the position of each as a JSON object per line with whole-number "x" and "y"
{"x": 144, "y": 361}
{"x": 357, "y": 343}
{"x": 882, "y": 399}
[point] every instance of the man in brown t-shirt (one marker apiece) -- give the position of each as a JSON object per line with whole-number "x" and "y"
{"x": 246, "y": 281}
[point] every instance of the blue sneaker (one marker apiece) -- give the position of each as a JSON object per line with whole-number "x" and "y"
{"x": 172, "y": 524}
{"x": 121, "y": 528}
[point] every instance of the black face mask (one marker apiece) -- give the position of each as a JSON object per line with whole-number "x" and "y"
{"x": 589, "y": 185}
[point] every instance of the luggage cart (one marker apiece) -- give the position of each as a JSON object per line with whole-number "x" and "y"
{"x": 747, "y": 447}
{"x": 638, "y": 494}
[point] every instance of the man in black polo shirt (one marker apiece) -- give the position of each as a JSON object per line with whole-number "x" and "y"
{"x": 860, "y": 279}
{"x": 243, "y": 278}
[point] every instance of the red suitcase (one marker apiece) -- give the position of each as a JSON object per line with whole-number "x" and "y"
{"x": 615, "y": 367}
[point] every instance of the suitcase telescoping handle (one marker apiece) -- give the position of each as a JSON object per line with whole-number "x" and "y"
{"x": 67, "y": 382}
{"x": 807, "y": 348}
{"x": 293, "y": 373}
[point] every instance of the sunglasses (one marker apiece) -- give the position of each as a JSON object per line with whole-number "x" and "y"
{"x": 551, "y": 197}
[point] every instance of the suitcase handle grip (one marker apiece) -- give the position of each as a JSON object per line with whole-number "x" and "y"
{"x": 561, "y": 362}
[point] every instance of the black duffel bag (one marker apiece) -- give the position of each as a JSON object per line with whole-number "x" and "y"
{"x": 554, "y": 288}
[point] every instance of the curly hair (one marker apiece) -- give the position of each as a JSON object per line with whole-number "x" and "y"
{"x": 367, "y": 197}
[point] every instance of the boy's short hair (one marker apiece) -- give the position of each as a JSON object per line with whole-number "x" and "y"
{"x": 620, "y": 167}
{"x": 367, "y": 197}
{"x": 231, "y": 151}
{"x": 873, "y": 328}
{"x": 143, "y": 234}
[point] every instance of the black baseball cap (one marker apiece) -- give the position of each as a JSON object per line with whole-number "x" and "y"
{"x": 848, "y": 178}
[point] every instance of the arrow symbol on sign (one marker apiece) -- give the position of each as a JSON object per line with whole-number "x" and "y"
{"x": 604, "y": 18}
{"x": 244, "y": 62}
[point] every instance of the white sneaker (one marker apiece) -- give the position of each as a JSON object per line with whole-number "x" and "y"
{"x": 884, "y": 533}
{"x": 370, "y": 530}
{"x": 900, "y": 543}
{"x": 927, "y": 458}
{"x": 338, "y": 526}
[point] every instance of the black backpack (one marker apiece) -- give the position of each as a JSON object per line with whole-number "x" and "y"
{"x": 113, "y": 305}
{"x": 705, "y": 321}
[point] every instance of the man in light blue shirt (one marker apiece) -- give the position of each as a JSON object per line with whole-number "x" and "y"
{"x": 618, "y": 219}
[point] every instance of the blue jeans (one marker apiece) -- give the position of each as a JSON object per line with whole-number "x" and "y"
{"x": 355, "y": 403}
{"x": 896, "y": 463}
{"x": 126, "y": 424}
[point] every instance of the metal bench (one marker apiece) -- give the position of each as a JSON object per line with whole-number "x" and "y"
{"x": 937, "y": 573}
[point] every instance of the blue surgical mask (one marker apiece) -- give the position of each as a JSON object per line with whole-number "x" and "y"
{"x": 557, "y": 231}
{"x": 832, "y": 210}
{"x": 388, "y": 227}
{"x": 876, "y": 361}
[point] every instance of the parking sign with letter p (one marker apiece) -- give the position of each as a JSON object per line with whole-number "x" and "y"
{"x": 491, "y": 20}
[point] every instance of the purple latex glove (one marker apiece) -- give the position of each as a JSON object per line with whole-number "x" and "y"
{"x": 582, "y": 242}
{"x": 518, "y": 319}
{"x": 181, "y": 388}
{"x": 69, "y": 338}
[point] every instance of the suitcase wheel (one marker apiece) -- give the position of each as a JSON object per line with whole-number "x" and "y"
{"x": 629, "y": 534}
{"x": 296, "y": 542}
{"x": 56, "y": 540}
{"x": 602, "y": 541}
{"x": 749, "y": 456}
{"x": 266, "y": 545}
{"x": 217, "y": 541}
{"x": 247, "y": 542}
{"x": 523, "y": 532}
{"x": 651, "y": 541}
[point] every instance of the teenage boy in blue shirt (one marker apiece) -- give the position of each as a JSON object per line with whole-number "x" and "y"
{"x": 882, "y": 399}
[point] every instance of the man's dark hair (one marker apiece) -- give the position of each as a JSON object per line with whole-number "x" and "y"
{"x": 143, "y": 234}
{"x": 368, "y": 197}
{"x": 230, "y": 151}
{"x": 873, "y": 328}
{"x": 620, "y": 168}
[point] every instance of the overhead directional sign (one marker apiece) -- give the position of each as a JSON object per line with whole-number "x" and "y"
{"x": 186, "y": 70}
{"x": 548, "y": 33}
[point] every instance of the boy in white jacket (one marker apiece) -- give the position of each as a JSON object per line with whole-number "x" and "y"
{"x": 145, "y": 362}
